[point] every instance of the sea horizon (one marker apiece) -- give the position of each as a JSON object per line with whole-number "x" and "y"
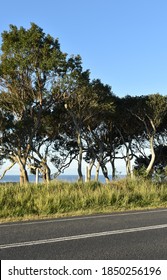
{"x": 68, "y": 178}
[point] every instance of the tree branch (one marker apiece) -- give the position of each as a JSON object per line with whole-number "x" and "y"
{"x": 8, "y": 168}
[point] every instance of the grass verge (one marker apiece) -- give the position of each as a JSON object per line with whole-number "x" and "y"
{"x": 60, "y": 199}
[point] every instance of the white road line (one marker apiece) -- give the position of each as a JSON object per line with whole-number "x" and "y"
{"x": 82, "y": 236}
{"x": 82, "y": 218}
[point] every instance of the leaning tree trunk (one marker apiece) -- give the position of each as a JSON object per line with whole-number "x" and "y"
{"x": 105, "y": 172}
{"x": 150, "y": 166}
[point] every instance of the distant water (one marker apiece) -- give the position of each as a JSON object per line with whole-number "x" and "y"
{"x": 68, "y": 178}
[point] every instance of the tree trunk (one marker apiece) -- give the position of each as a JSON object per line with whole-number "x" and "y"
{"x": 128, "y": 166}
{"x": 48, "y": 174}
{"x": 90, "y": 170}
{"x": 80, "y": 176}
{"x": 105, "y": 173}
{"x": 23, "y": 172}
{"x": 23, "y": 175}
{"x": 113, "y": 169}
{"x": 37, "y": 176}
{"x": 150, "y": 166}
{"x": 97, "y": 172}
{"x": 128, "y": 161}
{"x": 45, "y": 172}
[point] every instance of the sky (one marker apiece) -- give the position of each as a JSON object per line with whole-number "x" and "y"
{"x": 122, "y": 42}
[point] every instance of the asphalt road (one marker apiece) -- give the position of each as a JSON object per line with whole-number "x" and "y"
{"x": 128, "y": 235}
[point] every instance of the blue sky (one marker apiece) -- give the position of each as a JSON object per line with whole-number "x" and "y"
{"x": 122, "y": 42}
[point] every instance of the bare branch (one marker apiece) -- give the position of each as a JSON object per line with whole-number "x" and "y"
{"x": 7, "y": 169}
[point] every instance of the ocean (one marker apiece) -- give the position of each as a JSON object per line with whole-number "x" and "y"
{"x": 68, "y": 178}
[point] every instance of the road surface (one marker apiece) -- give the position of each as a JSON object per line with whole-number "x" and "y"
{"x": 126, "y": 235}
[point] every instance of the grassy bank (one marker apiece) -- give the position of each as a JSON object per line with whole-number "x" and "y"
{"x": 62, "y": 199}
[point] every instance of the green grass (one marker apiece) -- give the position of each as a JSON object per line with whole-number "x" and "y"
{"x": 63, "y": 199}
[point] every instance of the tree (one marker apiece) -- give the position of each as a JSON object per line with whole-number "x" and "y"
{"x": 96, "y": 133}
{"x": 85, "y": 104}
{"x": 151, "y": 111}
{"x": 31, "y": 62}
{"x": 126, "y": 129}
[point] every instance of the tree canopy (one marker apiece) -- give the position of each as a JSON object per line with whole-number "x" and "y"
{"x": 51, "y": 111}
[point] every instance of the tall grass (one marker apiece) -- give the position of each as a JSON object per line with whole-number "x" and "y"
{"x": 60, "y": 198}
